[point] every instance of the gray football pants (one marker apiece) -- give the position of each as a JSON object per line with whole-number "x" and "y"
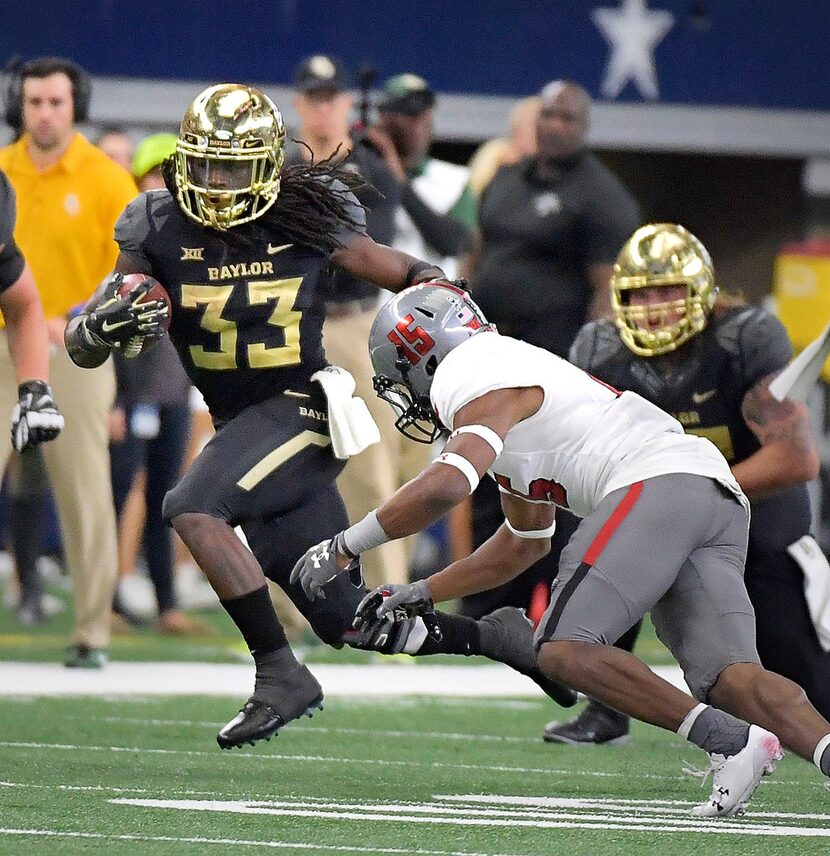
{"x": 675, "y": 546}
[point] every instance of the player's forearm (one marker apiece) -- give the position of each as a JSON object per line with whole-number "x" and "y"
{"x": 422, "y": 501}
{"x": 29, "y": 346}
{"x": 776, "y": 467}
{"x": 497, "y": 561}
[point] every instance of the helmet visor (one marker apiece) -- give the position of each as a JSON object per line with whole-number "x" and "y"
{"x": 215, "y": 175}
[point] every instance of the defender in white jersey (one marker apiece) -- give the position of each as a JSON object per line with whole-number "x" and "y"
{"x": 664, "y": 530}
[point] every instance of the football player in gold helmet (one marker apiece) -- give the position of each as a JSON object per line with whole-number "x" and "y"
{"x": 229, "y": 156}
{"x": 654, "y": 320}
{"x": 707, "y": 358}
{"x": 244, "y": 248}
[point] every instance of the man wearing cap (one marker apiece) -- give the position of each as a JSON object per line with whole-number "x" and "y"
{"x": 437, "y": 215}
{"x": 324, "y": 105}
{"x": 550, "y": 227}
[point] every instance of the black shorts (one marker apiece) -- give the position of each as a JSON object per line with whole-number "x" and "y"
{"x": 271, "y": 471}
{"x": 269, "y": 459}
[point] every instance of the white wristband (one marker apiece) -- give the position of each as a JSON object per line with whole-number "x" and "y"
{"x": 819, "y": 750}
{"x": 486, "y": 433}
{"x": 364, "y": 535}
{"x": 462, "y": 464}
{"x": 531, "y": 533}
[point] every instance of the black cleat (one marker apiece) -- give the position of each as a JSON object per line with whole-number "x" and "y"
{"x": 257, "y": 721}
{"x": 284, "y": 691}
{"x": 507, "y": 636}
{"x": 597, "y": 724}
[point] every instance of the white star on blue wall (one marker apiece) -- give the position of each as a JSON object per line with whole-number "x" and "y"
{"x": 632, "y": 31}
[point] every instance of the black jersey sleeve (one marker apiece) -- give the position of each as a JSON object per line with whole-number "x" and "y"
{"x": 11, "y": 259}
{"x": 133, "y": 227}
{"x": 760, "y": 342}
{"x": 595, "y": 343}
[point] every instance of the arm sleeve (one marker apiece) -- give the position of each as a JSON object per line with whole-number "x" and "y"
{"x": 447, "y": 235}
{"x": 11, "y": 259}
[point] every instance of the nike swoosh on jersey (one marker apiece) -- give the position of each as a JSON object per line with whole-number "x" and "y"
{"x": 700, "y": 397}
{"x": 272, "y": 249}
{"x": 108, "y": 328}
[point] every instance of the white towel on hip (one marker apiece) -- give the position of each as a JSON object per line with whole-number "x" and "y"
{"x": 351, "y": 426}
{"x": 813, "y": 563}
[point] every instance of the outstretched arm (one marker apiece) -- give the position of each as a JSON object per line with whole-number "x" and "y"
{"x": 382, "y": 265}
{"x": 788, "y": 455}
{"x": 429, "y": 496}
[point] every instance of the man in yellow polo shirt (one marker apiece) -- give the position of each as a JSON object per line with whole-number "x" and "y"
{"x": 69, "y": 196}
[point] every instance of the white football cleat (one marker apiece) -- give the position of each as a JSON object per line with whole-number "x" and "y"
{"x": 736, "y": 777}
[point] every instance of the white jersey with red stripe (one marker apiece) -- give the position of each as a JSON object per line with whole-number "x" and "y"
{"x": 585, "y": 441}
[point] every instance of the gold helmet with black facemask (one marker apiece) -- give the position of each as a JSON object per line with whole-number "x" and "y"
{"x": 229, "y": 155}
{"x": 662, "y": 254}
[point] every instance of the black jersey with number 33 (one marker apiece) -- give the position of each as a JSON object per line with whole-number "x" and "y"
{"x": 247, "y": 304}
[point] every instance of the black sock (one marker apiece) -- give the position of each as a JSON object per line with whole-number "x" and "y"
{"x": 254, "y": 615}
{"x": 720, "y": 732}
{"x": 460, "y": 635}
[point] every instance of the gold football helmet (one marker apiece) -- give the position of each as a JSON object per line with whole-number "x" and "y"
{"x": 662, "y": 254}
{"x": 229, "y": 155}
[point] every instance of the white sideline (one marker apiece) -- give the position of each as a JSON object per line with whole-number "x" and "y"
{"x": 148, "y": 679}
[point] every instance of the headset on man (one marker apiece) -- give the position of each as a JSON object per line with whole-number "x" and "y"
{"x": 44, "y": 67}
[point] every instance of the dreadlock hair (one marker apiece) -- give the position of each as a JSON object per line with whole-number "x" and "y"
{"x": 310, "y": 208}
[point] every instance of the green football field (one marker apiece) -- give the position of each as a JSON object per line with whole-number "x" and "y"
{"x": 432, "y": 775}
{"x": 397, "y": 776}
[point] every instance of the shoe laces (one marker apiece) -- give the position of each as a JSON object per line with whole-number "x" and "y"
{"x": 715, "y": 763}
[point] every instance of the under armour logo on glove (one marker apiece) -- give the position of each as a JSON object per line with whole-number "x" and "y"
{"x": 319, "y": 566}
{"x": 324, "y": 555}
{"x": 35, "y": 418}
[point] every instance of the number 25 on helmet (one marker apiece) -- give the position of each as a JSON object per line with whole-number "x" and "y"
{"x": 411, "y": 335}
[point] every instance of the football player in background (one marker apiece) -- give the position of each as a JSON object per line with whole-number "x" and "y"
{"x": 243, "y": 246}
{"x": 707, "y": 359}
{"x": 664, "y": 529}
{"x": 35, "y": 417}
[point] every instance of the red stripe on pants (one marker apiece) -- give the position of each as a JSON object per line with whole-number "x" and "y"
{"x": 620, "y": 512}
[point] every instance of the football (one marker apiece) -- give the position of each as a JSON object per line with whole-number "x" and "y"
{"x": 138, "y": 344}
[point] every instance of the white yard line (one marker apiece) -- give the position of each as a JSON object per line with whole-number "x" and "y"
{"x": 294, "y": 846}
{"x": 223, "y": 679}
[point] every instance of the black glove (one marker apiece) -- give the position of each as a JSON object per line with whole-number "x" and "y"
{"x": 117, "y": 319}
{"x": 401, "y": 603}
{"x": 35, "y": 418}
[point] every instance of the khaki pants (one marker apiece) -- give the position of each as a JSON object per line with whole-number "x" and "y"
{"x": 78, "y": 465}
